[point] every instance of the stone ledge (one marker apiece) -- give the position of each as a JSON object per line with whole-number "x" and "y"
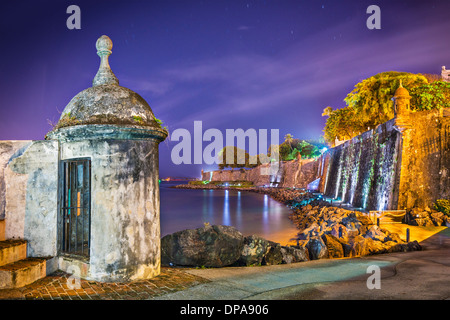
{"x": 12, "y": 251}
{"x": 22, "y": 273}
{"x": 2, "y": 230}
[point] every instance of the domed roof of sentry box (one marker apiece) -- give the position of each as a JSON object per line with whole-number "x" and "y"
{"x": 401, "y": 92}
{"x": 108, "y": 103}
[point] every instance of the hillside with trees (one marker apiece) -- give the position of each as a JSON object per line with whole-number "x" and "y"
{"x": 289, "y": 150}
{"x": 370, "y": 102}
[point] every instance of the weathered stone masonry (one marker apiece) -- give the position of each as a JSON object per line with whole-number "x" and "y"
{"x": 295, "y": 173}
{"x": 113, "y": 134}
{"x": 403, "y": 163}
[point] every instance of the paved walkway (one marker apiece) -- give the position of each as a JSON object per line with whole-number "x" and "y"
{"x": 412, "y": 275}
{"x": 59, "y": 286}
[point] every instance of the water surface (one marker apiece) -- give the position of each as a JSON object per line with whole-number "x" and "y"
{"x": 249, "y": 212}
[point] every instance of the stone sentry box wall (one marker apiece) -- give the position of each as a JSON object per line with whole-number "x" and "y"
{"x": 29, "y": 192}
{"x": 116, "y": 130}
{"x": 125, "y": 232}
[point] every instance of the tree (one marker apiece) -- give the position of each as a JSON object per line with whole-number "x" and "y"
{"x": 288, "y": 140}
{"x": 368, "y": 105}
{"x": 232, "y": 157}
{"x": 237, "y": 158}
{"x": 435, "y": 95}
{"x": 289, "y": 151}
{"x": 343, "y": 124}
{"x": 372, "y": 98}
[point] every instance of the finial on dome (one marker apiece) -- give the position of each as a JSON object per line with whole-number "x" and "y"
{"x": 401, "y": 85}
{"x": 104, "y": 74}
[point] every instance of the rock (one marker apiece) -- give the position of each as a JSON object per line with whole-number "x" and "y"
{"x": 414, "y": 246}
{"x": 294, "y": 254}
{"x": 404, "y": 247}
{"x": 375, "y": 233}
{"x": 273, "y": 255}
{"x": 390, "y": 246}
{"x": 410, "y": 219}
{"x": 356, "y": 246}
{"x": 423, "y": 218}
{"x": 400, "y": 247}
{"x": 437, "y": 218}
{"x": 316, "y": 248}
{"x": 353, "y": 225}
{"x": 253, "y": 251}
{"x": 393, "y": 237}
{"x": 354, "y": 231}
{"x": 210, "y": 246}
{"x": 339, "y": 231}
{"x": 372, "y": 247}
{"x": 424, "y": 222}
{"x": 310, "y": 231}
{"x": 365, "y": 220}
{"x": 334, "y": 247}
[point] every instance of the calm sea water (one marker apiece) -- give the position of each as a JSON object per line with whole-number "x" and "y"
{"x": 250, "y": 213}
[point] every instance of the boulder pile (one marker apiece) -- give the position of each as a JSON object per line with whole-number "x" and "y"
{"x": 332, "y": 232}
{"x": 425, "y": 217}
{"x": 220, "y": 246}
{"x": 324, "y": 232}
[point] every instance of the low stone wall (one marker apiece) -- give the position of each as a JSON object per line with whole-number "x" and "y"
{"x": 7, "y": 151}
{"x": 295, "y": 173}
{"x": 28, "y": 189}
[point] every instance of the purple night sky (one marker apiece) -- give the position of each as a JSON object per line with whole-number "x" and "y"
{"x": 231, "y": 64}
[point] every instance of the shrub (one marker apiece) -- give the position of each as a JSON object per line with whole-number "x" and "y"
{"x": 443, "y": 205}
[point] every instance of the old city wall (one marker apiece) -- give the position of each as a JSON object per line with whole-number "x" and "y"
{"x": 425, "y": 159}
{"x": 381, "y": 169}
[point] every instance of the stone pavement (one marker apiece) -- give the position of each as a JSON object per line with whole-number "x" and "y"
{"x": 411, "y": 275}
{"x": 57, "y": 287}
{"x": 408, "y": 276}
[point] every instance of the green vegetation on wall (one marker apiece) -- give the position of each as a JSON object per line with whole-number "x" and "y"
{"x": 443, "y": 205}
{"x": 370, "y": 102}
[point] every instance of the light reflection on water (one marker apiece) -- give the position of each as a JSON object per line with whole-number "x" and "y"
{"x": 249, "y": 212}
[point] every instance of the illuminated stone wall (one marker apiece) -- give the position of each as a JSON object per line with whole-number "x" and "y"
{"x": 363, "y": 171}
{"x": 290, "y": 174}
{"x": 383, "y": 169}
{"x": 425, "y": 159}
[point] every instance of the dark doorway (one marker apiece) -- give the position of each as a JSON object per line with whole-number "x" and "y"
{"x": 75, "y": 206}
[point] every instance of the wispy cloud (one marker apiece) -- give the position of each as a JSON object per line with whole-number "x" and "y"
{"x": 243, "y": 28}
{"x": 251, "y": 83}
{"x": 155, "y": 87}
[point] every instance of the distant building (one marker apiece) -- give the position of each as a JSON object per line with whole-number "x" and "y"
{"x": 445, "y": 74}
